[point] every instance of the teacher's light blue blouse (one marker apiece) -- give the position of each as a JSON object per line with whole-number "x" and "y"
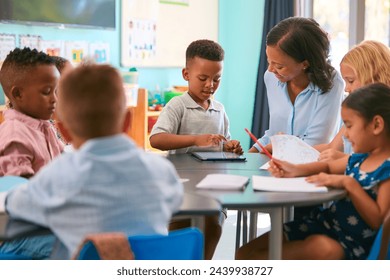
{"x": 314, "y": 117}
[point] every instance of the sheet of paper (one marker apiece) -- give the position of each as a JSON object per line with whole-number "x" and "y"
{"x": 292, "y": 149}
{"x": 272, "y": 184}
{"x": 223, "y": 182}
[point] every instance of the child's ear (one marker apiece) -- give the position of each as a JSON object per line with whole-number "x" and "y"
{"x": 64, "y": 132}
{"x": 305, "y": 64}
{"x": 379, "y": 124}
{"x": 16, "y": 93}
{"x": 127, "y": 122}
{"x": 184, "y": 72}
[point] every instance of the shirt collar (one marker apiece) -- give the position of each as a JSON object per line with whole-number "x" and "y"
{"x": 310, "y": 88}
{"x": 36, "y": 124}
{"x": 106, "y": 145}
{"x": 191, "y": 104}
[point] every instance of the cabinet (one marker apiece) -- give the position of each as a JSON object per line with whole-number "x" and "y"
{"x": 140, "y": 114}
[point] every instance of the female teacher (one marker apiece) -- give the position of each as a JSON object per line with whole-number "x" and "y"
{"x": 304, "y": 91}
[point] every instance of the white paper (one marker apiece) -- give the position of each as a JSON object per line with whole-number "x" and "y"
{"x": 273, "y": 184}
{"x": 292, "y": 149}
{"x": 223, "y": 182}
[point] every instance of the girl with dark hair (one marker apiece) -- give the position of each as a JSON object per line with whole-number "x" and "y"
{"x": 347, "y": 229}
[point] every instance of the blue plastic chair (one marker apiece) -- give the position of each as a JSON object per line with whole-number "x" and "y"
{"x": 9, "y": 182}
{"x": 182, "y": 244}
{"x": 380, "y": 250}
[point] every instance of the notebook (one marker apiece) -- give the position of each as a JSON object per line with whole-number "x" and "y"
{"x": 218, "y": 156}
{"x": 272, "y": 184}
{"x": 292, "y": 149}
{"x": 223, "y": 182}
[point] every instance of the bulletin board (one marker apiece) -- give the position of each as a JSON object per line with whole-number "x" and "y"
{"x": 156, "y": 33}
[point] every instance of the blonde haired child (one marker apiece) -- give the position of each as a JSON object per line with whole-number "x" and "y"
{"x": 366, "y": 63}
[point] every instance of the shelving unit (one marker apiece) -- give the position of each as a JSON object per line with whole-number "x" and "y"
{"x": 138, "y": 130}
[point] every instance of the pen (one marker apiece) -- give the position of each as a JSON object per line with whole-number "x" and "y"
{"x": 258, "y": 143}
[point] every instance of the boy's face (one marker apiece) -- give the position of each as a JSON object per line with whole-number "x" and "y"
{"x": 35, "y": 94}
{"x": 203, "y": 78}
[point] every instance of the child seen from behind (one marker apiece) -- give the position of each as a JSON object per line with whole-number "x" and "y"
{"x": 107, "y": 184}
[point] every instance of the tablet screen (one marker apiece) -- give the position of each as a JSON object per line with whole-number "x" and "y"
{"x": 218, "y": 156}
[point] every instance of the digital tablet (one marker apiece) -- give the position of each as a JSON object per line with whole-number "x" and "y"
{"x": 218, "y": 156}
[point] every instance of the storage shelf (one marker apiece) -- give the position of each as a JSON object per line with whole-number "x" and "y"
{"x": 139, "y": 124}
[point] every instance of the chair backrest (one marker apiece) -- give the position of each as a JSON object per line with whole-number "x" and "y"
{"x": 380, "y": 250}
{"x": 183, "y": 244}
{"x": 9, "y": 182}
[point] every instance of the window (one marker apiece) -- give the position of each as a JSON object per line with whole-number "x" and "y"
{"x": 348, "y": 22}
{"x": 335, "y": 21}
{"x": 377, "y": 19}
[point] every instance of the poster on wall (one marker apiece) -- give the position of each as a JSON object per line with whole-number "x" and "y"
{"x": 7, "y": 44}
{"x": 76, "y": 51}
{"x": 141, "y": 40}
{"x": 29, "y": 41}
{"x": 156, "y": 33}
{"x": 52, "y": 47}
{"x": 100, "y": 52}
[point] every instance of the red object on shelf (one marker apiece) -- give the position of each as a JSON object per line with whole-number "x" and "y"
{"x": 151, "y": 121}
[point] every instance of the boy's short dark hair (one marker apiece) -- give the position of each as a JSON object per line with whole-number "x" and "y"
{"x": 60, "y": 62}
{"x": 18, "y": 63}
{"x": 206, "y": 49}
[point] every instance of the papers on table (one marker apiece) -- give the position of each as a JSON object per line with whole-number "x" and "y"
{"x": 292, "y": 149}
{"x": 223, "y": 182}
{"x": 272, "y": 184}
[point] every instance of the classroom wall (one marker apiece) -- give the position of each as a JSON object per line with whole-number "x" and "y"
{"x": 240, "y": 31}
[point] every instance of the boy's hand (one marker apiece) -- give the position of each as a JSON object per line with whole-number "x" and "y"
{"x": 280, "y": 168}
{"x": 233, "y": 146}
{"x": 207, "y": 140}
{"x": 330, "y": 154}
